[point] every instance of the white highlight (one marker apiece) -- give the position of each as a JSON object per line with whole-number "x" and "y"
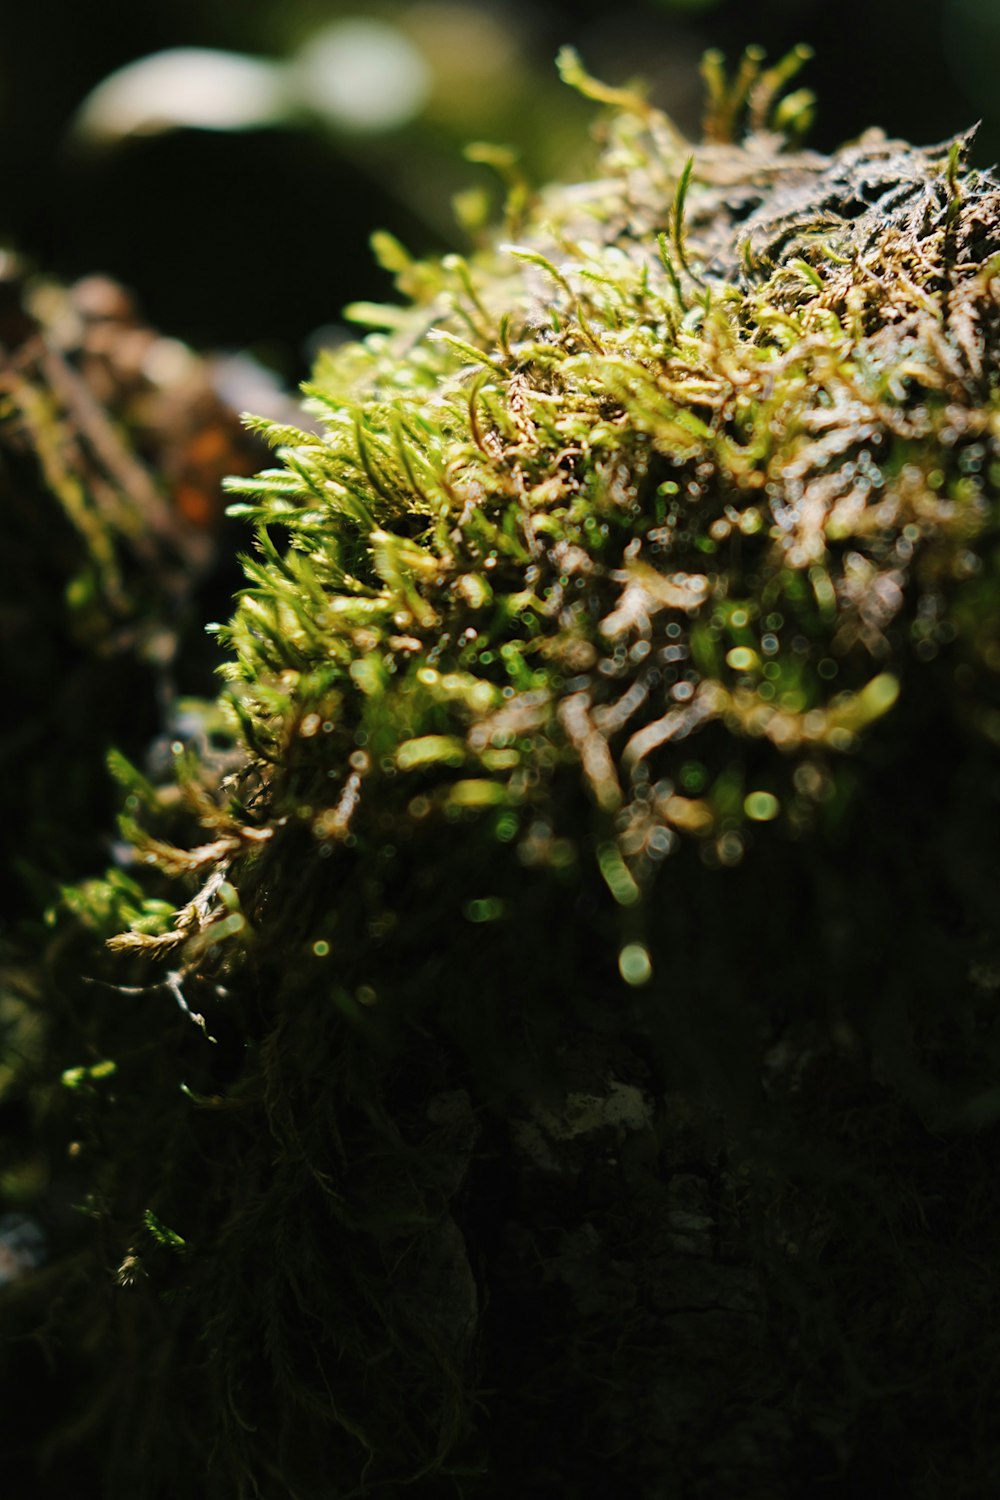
{"x": 187, "y": 86}
{"x": 362, "y": 75}
{"x": 357, "y": 75}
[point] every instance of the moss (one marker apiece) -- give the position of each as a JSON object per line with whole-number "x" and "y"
{"x": 592, "y": 933}
{"x": 112, "y": 444}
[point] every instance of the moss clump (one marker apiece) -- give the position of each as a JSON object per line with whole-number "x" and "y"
{"x": 597, "y": 933}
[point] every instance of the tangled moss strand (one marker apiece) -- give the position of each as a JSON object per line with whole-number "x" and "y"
{"x": 594, "y": 936}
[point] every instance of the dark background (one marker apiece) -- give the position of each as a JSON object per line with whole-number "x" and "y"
{"x": 257, "y": 239}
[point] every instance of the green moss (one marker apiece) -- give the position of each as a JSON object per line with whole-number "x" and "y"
{"x": 603, "y": 885}
{"x": 590, "y": 503}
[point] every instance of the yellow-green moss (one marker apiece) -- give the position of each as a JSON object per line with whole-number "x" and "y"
{"x": 593, "y": 509}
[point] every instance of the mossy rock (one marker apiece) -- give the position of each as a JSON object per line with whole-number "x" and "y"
{"x": 594, "y": 950}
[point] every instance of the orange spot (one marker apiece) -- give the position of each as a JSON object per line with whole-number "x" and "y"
{"x": 197, "y": 505}
{"x": 211, "y": 446}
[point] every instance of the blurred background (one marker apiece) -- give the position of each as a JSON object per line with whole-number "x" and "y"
{"x": 228, "y": 163}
